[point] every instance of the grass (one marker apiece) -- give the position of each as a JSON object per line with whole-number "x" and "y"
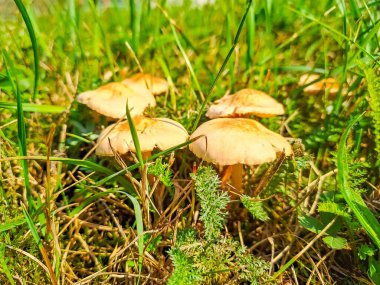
{"x": 70, "y": 217}
{"x": 33, "y": 39}
{"x": 353, "y": 199}
{"x": 21, "y": 132}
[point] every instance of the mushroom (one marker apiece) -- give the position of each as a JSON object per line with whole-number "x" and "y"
{"x": 316, "y": 86}
{"x": 161, "y": 133}
{"x": 234, "y": 142}
{"x": 245, "y": 102}
{"x": 148, "y": 82}
{"x": 111, "y": 100}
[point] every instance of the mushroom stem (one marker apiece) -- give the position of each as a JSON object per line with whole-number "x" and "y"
{"x": 237, "y": 177}
{"x": 146, "y": 154}
{"x": 226, "y": 174}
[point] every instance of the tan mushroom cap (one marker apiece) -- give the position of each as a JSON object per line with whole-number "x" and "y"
{"x": 237, "y": 141}
{"x": 149, "y": 82}
{"x": 245, "y": 102}
{"x": 111, "y": 100}
{"x": 161, "y": 133}
{"x": 318, "y": 87}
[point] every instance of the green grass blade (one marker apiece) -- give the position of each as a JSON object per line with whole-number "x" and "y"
{"x": 107, "y": 46}
{"x": 11, "y": 142}
{"x": 78, "y": 138}
{"x": 135, "y": 6}
{"x": 179, "y": 30}
{"x": 21, "y": 132}
{"x": 337, "y": 33}
{"x": 140, "y": 230}
{"x": 33, "y": 39}
{"x": 268, "y": 16}
{"x": 251, "y": 27}
{"x": 230, "y": 25}
{"x": 339, "y": 98}
{"x": 30, "y": 107}
{"x": 188, "y": 64}
{"x": 299, "y": 34}
{"x": 165, "y": 69}
{"x": 4, "y": 266}
{"x": 135, "y": 138}
{"x": 89, "y": 200}
{"x": 72, "y": 16}
{"x": 220, "y": 72}
{"x": 32, "y": 228}
{"x": 12, "y": 224}
{"x": 370, "y": 34}
{"x": 371, "y": 16}
{"x": 353, "y": 199}
{"x": 38, "y": 240}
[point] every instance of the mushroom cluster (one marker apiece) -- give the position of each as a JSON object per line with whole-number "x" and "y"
{"x": 138, "y": 92}
{"x": 229, "y": 141}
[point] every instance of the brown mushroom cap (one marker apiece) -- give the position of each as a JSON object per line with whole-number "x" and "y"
{"x": 245, "y": 102}
{"x": 161, "y": 133}
{"x": 318, "y": 87}
{"x": 149, "y": 82}
{"x": 111, "y": 100}
{"x": 237, "y": 141}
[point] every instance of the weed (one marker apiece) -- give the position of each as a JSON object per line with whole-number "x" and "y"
{"x": 216, "y": 258}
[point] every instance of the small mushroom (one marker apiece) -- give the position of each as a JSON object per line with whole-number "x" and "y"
{"x": 316, "y": 86}
{"x": 148, "y": 82}
{"x": 111, "y": 100}
{"x": 234, "y": 142}
{"x": 245, "y": 102}
{"x": 161, "y": 133}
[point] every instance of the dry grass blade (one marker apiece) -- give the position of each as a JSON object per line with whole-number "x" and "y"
{"x": 306, "y": 248}
{"x": 35, "y": 259}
